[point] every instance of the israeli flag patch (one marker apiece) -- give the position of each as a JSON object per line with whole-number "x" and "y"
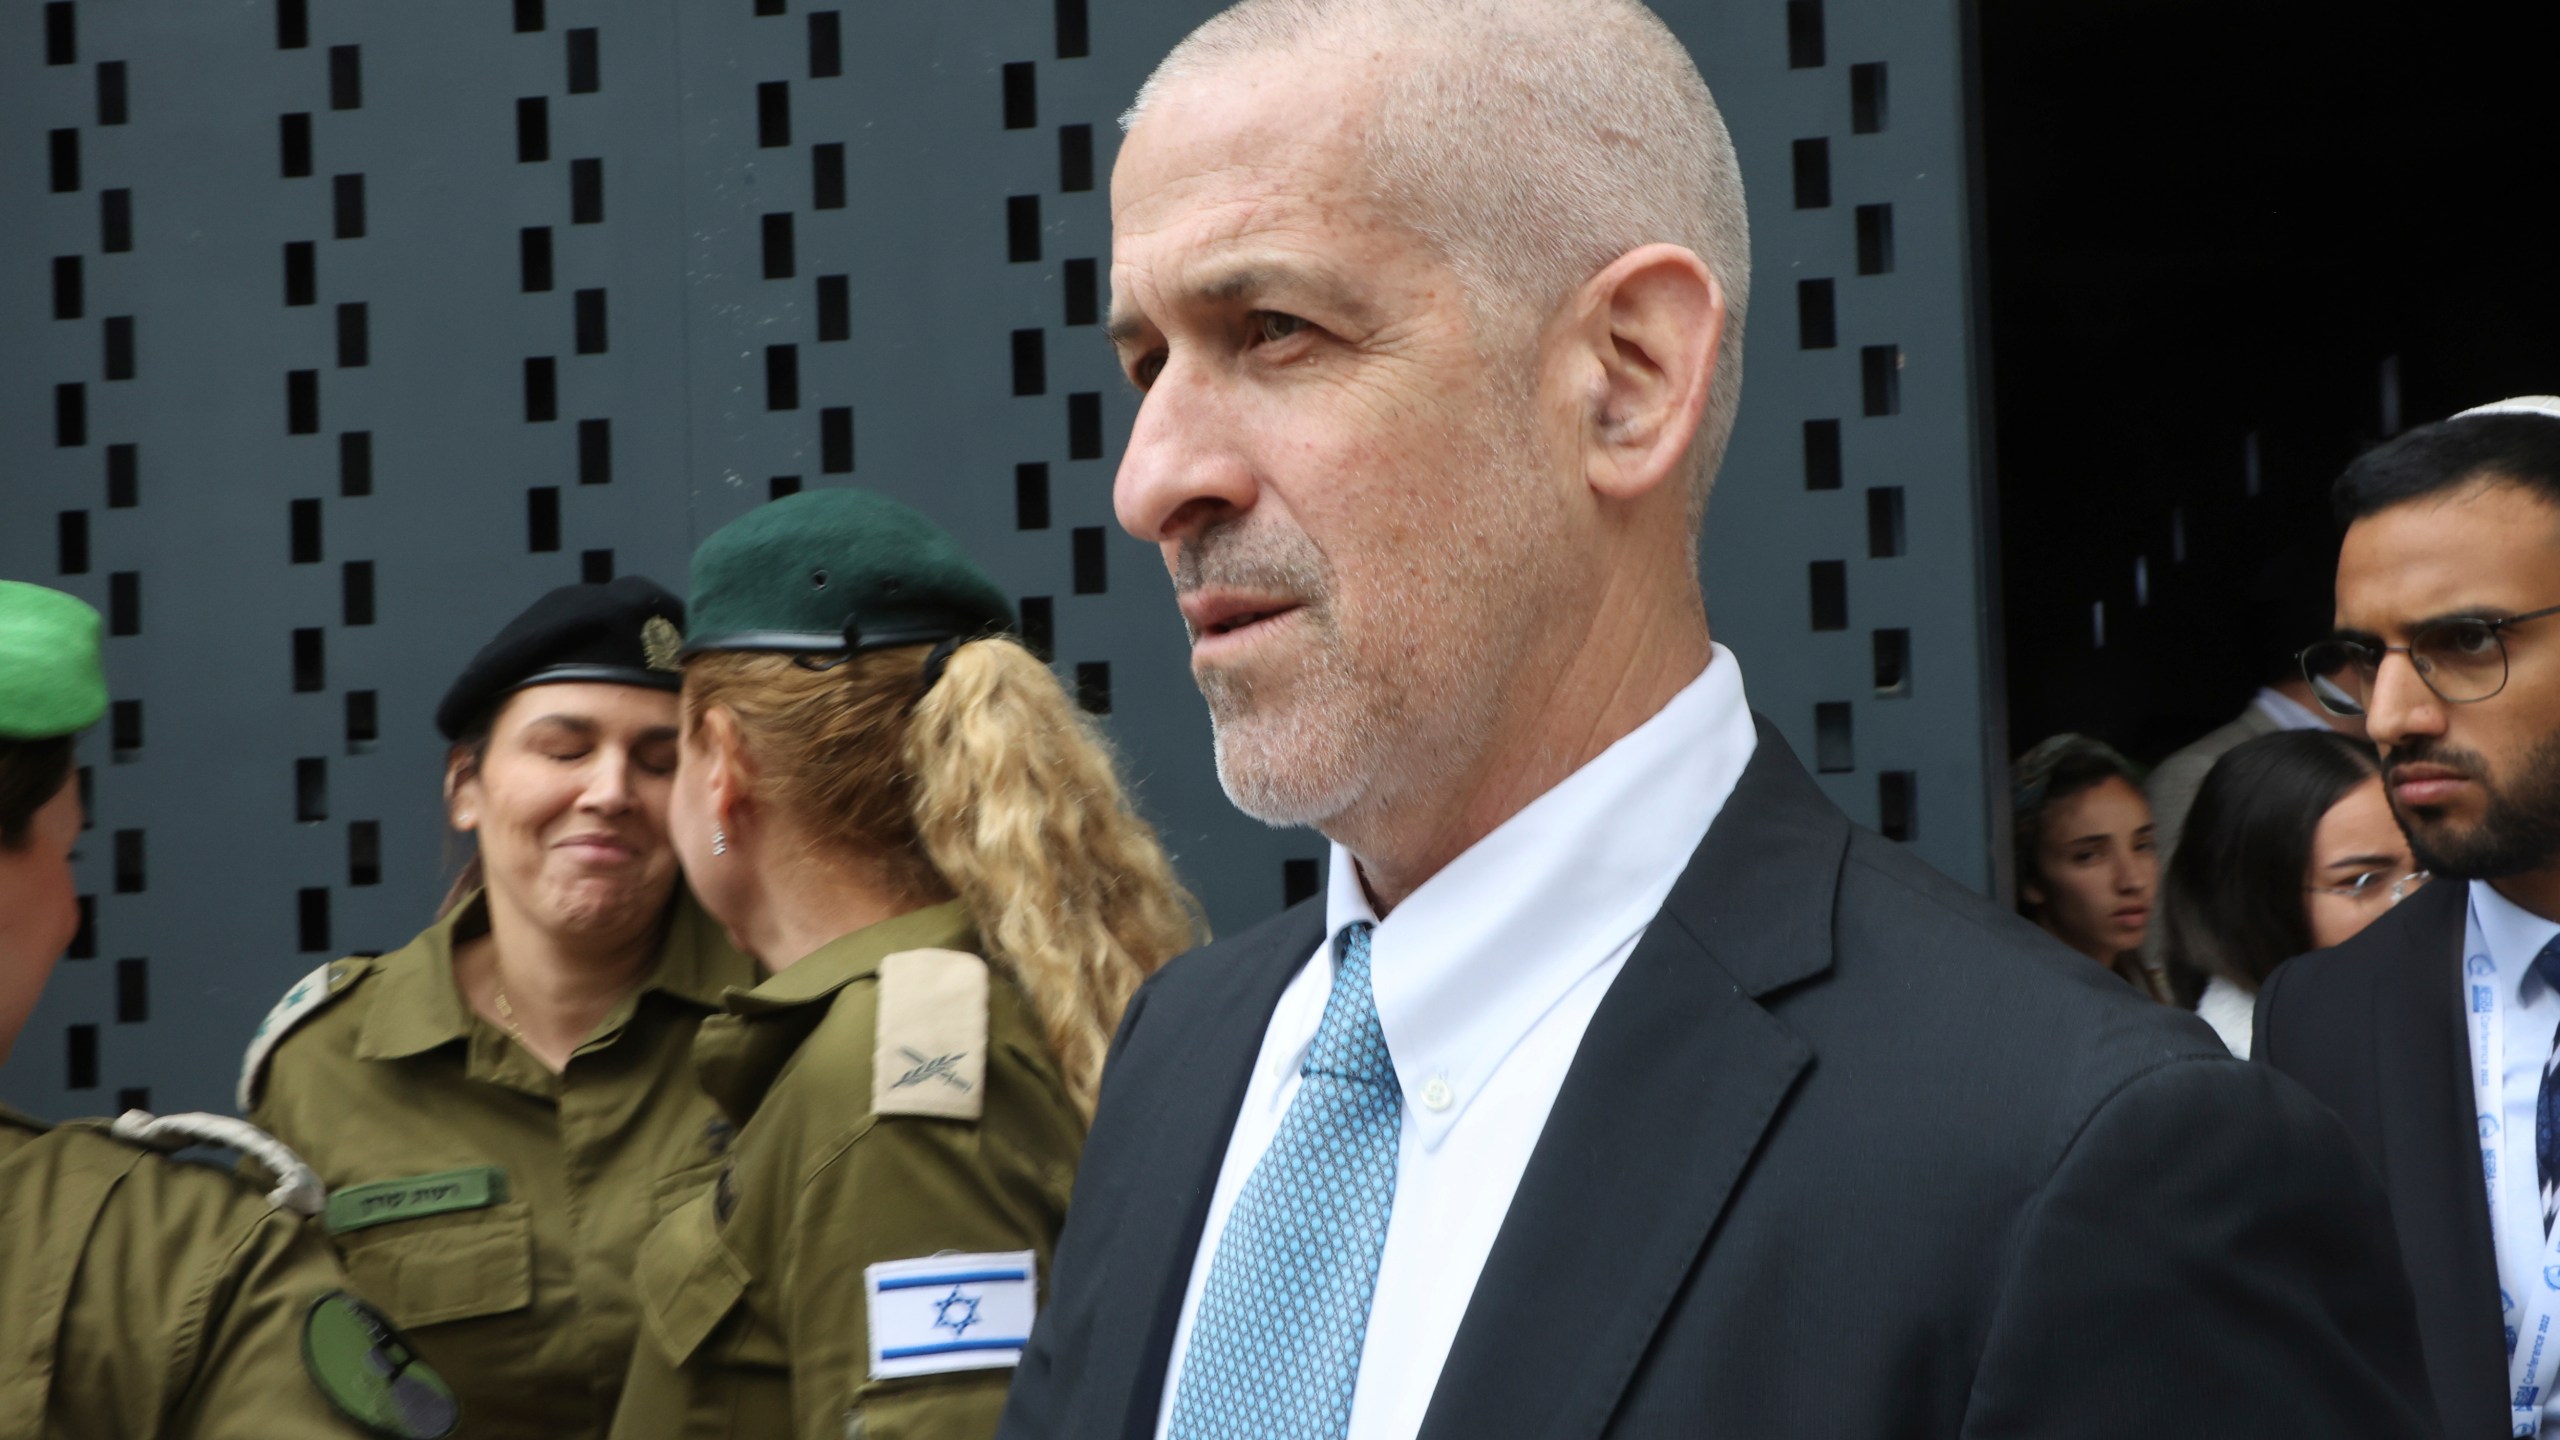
{"x": 950, "y": 1312}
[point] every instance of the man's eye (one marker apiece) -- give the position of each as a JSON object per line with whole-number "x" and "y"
{"x": 1271, "y": 325}
{"x": 1148, "y": 367}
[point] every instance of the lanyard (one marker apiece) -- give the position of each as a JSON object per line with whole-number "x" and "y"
{"x": 2532, "y": 1319}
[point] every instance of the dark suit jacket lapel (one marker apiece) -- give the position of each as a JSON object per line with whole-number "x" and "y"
{"x": 2431, "y": 1157}
{"x": 1677, "y": 1079}
{"x": 1201, "y": 1085}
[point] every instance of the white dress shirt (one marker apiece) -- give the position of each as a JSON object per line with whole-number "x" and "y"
{"x": 2287, "y": 712}
{"x": 1485, "y": 979}
{"x": 2231, "y": 1011}
{"x": 2530, "y": 1013}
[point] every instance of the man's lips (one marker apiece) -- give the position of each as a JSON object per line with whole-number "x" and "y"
{"x": 2426, "y": 784}
{"x": 1215, "y": 615}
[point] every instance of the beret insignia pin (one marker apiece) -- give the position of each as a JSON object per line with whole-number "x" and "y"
{"x": 660, "y": 642}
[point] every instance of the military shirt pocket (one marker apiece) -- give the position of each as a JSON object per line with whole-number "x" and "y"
{"x": 687, "y": 1279}
{"x": 446, "y": 1267}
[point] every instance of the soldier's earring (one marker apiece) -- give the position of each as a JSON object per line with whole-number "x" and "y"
{"x": 719, "y": 841}
{"x": 462, "y": 819}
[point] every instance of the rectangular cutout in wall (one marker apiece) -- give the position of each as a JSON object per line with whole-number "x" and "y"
{"x": 1813, "y": 174}
{"x": 311, "y": 789}
{"x": 346, "y": 78}
{"x": 835, "y": 440}
{"x": 1083, "y": 283}
{"x": 71, "y": 542}
{"x": 355, "y": 340}
{"x": 133, "y": 1097}
{"x": 781, "y": 487}
{"x": 595, "y": 452}
{"x": 301, "y": 272}
{"x": 1031, "y": 496}
{"x": 116, "y": 347}
{"x": 1030, "y": 362}
{"x": 585, "y": 65}
{"x": 1885, "y": 539}
{"x": 1021, "y": 96}
{"x": 311, "y": 909}
{"x": 826, "y": 176}
{"x": 1022, "y": 228}
{"x": 595, "y": 567}
{"x": 1867, "y": 111}
{"x": 69, "y": 296}
{"x": 62, "y": 152}
{"x": 303, "y": 531}
{"x": 1893, "y": 664}
{"x": 1830, "y": 580}
{"x": 84, "y": 940}
{"x": 1822, "y": 468}
{"x": 1875, "y": 239}
{"x": 124, "y": 603}
{"x": 1075, "y": 158}
{"x": 133, "y": 991}
{"x": 542, "y": 519}
{"x": 590, "y": 322}
{"x": 826, "y": 44}
{"x": 1092, "y": 575}
{"x": 1898, "y": 805}
{"x": 533, "y": 258}
{"x": 115, "y": 221}
{"x": 533, "y": 130}
{"x": 782, "y": 377}
{"x": 1834, "y": 749}
{"x": 114, "y": 95}
{"x": 835, "y": 308}
{"x": 294, "y": 144}
{"x": 773, "y": 114}
{"x": 586, "y": 191}
{"x": 355, "y": 463}
{"x": 310, "y": 662}
{"x": 303, "y": 403}
{"x": 364, "y": 720}
{"x": 1880, "y": 378}
{"x": 124, "y": 476}
{"x": 131, "y": 877}
{"x": 1084, "y": 425}
{"x": 293, "y": 24}
{"x": 1093, "y": 686}
{"x": 529, "y": 16}
{"x": 541, "y": 389}
{"x": 61, "y": 34}
{"x": 346, "y": 194}
{"x": 780, "y": 263}
{"x": 1039, "y": 626}
{"x": 70, "y": 415}
{"x": 124, "y": 728}
{"x": 1075, "y": 34}
{"x": 355, "y": 592}
{"x": 1804, "y": 34}
{"x": 364, "y": 852}
{"x": 80, "y": 1054}
{"x": 1817, "y": 315}
{"x": 1299, "y": 881}
{"x": 772, "y": 7}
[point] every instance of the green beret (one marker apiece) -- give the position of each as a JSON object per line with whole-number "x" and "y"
{"x": 50, "y": 682}
{"x": 837, "y": 570}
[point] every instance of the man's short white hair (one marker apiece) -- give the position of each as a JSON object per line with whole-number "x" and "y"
{"x": 1531, "y": 142}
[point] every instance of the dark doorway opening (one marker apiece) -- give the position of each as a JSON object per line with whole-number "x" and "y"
{"x": 2229, "y": 246}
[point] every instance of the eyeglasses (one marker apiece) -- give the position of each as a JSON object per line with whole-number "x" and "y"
{"x": 2393, "y": 885}
{"x": 2463, "y": 660}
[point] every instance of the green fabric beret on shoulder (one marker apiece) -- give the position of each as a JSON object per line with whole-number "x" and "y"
{"x": 837, "y": 570}
{"x": 50, "y": 680}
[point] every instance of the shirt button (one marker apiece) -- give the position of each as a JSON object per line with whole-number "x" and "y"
{"x": 1437, "y": 1095}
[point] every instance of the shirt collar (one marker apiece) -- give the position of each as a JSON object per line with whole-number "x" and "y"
{"x": 848, "y": 958}
{"x": 1469, "y": 964}
{"x": 2287, "y": 712}
{"x": 2513, "y": 934}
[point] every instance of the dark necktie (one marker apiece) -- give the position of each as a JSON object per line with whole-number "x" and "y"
{"x": 2546, "y": 1109}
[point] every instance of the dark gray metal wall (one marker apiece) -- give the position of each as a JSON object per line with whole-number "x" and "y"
{"x": 332, "y": 331}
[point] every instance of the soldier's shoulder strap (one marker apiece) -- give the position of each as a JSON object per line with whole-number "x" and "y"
{"x": 931, "y": 1053}
{"x": 297, "y": 1186}
{"x": 309, "y": 996}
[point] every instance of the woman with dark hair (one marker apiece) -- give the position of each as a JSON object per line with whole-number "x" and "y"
{"x": 2087, "y": 864}
{"x": 2291, "y": 847}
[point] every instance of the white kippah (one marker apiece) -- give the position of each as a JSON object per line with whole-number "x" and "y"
{"x": 2547, "y": 405}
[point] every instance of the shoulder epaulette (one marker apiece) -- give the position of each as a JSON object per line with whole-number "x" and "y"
{"x": 309, "y": 996}
{"x": 297, "y": 1186}
{"x": 931, "y": 1054}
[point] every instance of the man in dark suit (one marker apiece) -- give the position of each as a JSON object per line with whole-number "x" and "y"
{"x": 1617, "y": 1084}
{"x": 2431, "y": 1033}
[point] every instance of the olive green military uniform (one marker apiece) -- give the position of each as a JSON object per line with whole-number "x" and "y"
{"x": 141, "y": 1297}
{"x": 491, "y": 1207}
{"x": 896, "y": 1100}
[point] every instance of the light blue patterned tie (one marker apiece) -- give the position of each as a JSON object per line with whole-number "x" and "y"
{"x": 1275, "y": 1349}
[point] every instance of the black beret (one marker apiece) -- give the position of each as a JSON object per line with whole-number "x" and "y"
{"x": 627, "y": 632}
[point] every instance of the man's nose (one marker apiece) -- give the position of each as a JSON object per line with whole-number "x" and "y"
{"x": 2401, "y": 707}
{"x": 1184, "y": 469}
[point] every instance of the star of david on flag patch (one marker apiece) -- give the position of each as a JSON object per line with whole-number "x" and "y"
{"x": 950, "y": 1312}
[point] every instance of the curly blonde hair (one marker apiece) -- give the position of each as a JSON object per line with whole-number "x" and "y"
{"x": 992, "y": 787}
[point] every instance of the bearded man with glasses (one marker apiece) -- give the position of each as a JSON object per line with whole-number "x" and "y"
{"x": 2433, "y": 1032}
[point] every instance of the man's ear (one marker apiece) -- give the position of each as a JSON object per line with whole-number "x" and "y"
{"x": 1647, "y": 331}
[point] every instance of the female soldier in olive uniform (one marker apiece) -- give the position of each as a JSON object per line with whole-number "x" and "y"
{"x": 139, "y": 1298}
{"x": 504, "y": 1107}
{"x": 876, "y": 793}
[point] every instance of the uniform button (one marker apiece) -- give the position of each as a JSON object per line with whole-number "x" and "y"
{"x": 1437, "y": 1095}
